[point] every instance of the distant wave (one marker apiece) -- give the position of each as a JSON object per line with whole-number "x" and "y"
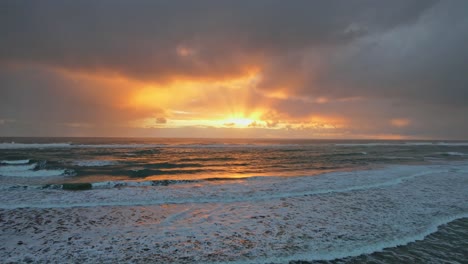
{"x": 150, "y": 146}
{"x": 122, "y": 184}
{"x": 70, "y": 145}
{"x": 453, "y": 154}
{"x": 16, "y": 168}
{"x": 14, "y": 162}
{"x": 33, "y": 145}
{"x": 346, "y": 154}
{"x": 454, "y": 144}
{"x": 21, "y": 168}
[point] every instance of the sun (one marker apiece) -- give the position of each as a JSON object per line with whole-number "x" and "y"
{"x": 242, "y": 119}
{"x": 238, "y": 122}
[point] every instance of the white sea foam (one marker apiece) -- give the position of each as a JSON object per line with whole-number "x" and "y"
{"x": 263, "y": 220}
{"x": 453, "y": 143}
{"x": 37, "y": 173}
{"x": 256, "y": 190}
{"x": 28, "y": 170}
{"x": 339, "y": 253}
{"x": 454, "y": 153}
{"x": 14, "y": 162}
{"x": 114, "y": 184}
{"x": 94, "y": 163}
{"x": 16, "y": 168}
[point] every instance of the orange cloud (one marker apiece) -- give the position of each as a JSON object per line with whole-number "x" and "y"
{"x": 217, "y": 103}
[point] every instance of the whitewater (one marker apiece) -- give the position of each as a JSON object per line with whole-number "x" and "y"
{"x": 222, "y": 201}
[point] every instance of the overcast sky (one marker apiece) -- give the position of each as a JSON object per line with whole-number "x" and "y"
{"x": 300, "y": 69}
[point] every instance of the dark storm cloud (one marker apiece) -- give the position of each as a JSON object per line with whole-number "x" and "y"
{"x": 425, "y": 61}
{"x": 140, "y": 39}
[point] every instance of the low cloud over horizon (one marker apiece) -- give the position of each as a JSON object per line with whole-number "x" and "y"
{"x": 300, "y": 69}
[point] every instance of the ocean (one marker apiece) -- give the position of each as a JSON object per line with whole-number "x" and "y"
{"x": 147, "y": 200}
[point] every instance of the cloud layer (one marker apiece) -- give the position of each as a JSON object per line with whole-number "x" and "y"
{"x": 302, "y": 68}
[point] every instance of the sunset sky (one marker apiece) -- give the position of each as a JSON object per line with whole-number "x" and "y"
{"x": 269, "y": 69}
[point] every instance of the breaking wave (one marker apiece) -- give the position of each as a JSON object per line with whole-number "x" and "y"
{"x": 21, "y": 168}
{"x": 14, "y": 162}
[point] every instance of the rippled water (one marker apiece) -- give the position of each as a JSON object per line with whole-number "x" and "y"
{"x": 94, "y": 160}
